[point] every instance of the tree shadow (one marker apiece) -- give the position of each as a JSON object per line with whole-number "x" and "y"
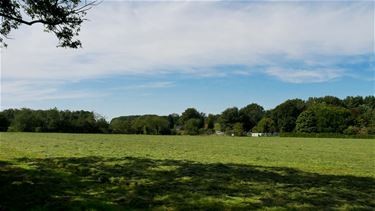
{"x": 138, "y": 183}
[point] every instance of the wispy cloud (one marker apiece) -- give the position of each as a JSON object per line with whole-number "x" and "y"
{"x": 192, "y": 38}
{"x": 305, "y": 76}
{"x": 145, "y": 86}
{"x": 19, "y": 91}
{"x": 144, "y": 38}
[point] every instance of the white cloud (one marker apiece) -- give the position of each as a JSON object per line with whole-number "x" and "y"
{"x": 195, "y": 37}
{"x": 151, "y": 85}
{"x": 15, "y": 92}
{"x": 305, "y": 76}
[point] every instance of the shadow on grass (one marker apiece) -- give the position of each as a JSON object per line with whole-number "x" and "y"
{"x": 137, "y": 183}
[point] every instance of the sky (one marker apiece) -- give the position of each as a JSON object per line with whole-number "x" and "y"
{"x": 162, "y": 57}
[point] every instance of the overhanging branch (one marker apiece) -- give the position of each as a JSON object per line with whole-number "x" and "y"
{"x": 29, "y": 22}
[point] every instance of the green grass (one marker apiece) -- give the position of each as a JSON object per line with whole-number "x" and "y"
{"x": 117, "y": 172}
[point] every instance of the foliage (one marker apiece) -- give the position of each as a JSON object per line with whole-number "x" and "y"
{"x": 250, "y": 115}
{"x": 265, "y": 125}
{"x": 210, "y": 121}
{"x": 328, "y": 135}
{"x": 151, "y": 124}
{"x": 217, "y": 127}
{"x": 331, "y": 119}
{"x": 192, "y": 126}
{"x": 285, "y": 114}
{"x": 190, "y": 113}
{"x": 52, "y": 120}
{"x": 228, "y": 118}
{"x": 326, "y": 100}
{"x": 317, "y": 115}
{"x": 306, "y": 122}
{"x": 238, "y": 129}
{"x": 63, "y": 18}
{"x": 173, "y": 120}
{"x": 4, "y": 122}
{"x": 123, "y": 124}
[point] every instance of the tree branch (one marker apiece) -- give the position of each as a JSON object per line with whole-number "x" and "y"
{"x": 29, "y": 22}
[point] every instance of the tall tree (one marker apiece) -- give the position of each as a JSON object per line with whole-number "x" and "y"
{"x": 250, "y": 115}
{"x": 265, "y": 125}
{"x": 4, "y": 122}
{"x": 229, "y": 117}
{"x": 306, "y": 122}
{"x": 61, "y": 17}
{"x": 192, "y": 113}
{"x": 285, "y": 114}
{"x": 331, "y": 119}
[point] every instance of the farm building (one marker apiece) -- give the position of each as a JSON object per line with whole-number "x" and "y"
{"x": 263, "y": 134}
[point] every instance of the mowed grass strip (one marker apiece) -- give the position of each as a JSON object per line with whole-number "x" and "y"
{"x": 318, "y": 155}
{"x": 126, "y": 172}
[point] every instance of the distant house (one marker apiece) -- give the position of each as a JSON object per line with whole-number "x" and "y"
{"x": 257, "y": 134}
{"x": 218, "y": 132}
{"x": 263, "y": 134}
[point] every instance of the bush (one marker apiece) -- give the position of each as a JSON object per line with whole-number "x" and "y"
{"x": 351, "y": 130}
{"x": 326, "y": 135}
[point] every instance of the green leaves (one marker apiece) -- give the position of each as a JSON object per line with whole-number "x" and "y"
{"x": 63, "y": 18}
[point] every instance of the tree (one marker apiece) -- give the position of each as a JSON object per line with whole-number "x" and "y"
{"x": 173, "y": 120}
{"x": 327, "y": 100}
{"x": 306, "y": 122}
{"x": 238, "y": 129}
{"x": 210, "y": 121}
{"x": 4, "y": 122}
{"x": 353, "y": 102}
{"x": 123, "y": 124}
{"x": 61, "y": 17}
{"x": 265, "y": 125}
{"x": 192, "y": 126}
{"x": 331, "y": 119}
{"x": 285, "y": 114}
{"x": 228, "y": 118}
{"x": 191, "y": 113}
{"x": 24, "y": 121}
{"x": 217, "y": 127}
{"x": 197, "y": 120}
{"x": 250, "y": 115}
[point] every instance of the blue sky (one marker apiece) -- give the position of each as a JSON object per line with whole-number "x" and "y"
{"x": 163, "y": 57}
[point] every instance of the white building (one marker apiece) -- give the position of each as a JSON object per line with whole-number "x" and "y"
{"x": 263, "y": 134}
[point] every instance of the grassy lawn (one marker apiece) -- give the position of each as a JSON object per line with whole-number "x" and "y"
{"x": 75, "y": 171}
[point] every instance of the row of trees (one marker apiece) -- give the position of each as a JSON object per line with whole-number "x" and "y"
{"x": 52, "y": 120}
{"x": 352, "y": 115}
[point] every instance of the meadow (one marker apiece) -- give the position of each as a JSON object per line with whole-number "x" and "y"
{"x": 53, "y": 171}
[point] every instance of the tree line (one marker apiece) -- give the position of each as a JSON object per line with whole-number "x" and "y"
{"x": 353, "y": 115}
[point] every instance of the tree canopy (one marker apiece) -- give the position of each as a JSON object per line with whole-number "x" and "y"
{"x": 60, "y": 17}
{"x": 349, "y": 116}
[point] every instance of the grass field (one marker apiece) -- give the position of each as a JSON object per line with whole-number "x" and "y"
{"x": 117, "y": 172}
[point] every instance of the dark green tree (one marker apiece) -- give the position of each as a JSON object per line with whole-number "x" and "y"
{"x": 265, "y": 125}
{"x": 250, "y": 115}
{"x": 331, "y": 119}
{"x": 326, "y": 100}
{"x": 285, "y": 114}
{"x": 191, "y": 113}
{"x": 306, "y": 122}
{"x": 192, "y": 126}
{"x": 4, "y": 122}
{"x": 61, "y": 17}
{"x": 238, "y": 129}
{"x": 173, "y": 120}
{"x": 228, "y": 118}
{"x": 123, "y": 124}
{"x": 210, "y": 121}
{"x": 351, "y": 102}
{"x": 24, "y": 121}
